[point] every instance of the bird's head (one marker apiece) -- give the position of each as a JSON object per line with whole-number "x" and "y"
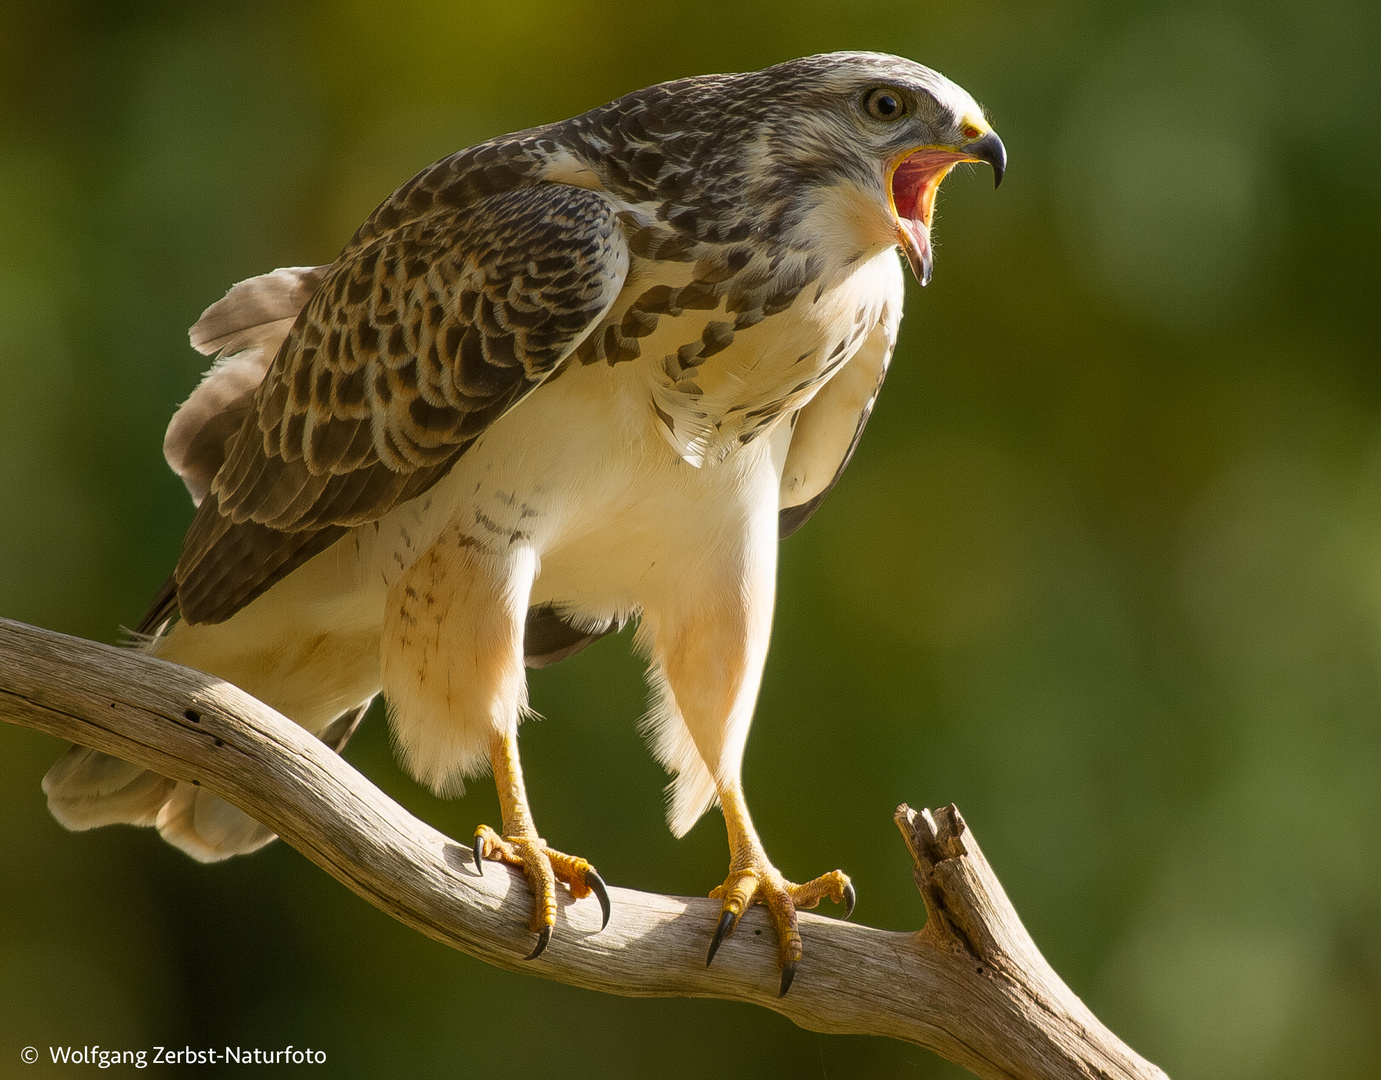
{"x": 879, "y": 132}
{"x": 848, "y": 148}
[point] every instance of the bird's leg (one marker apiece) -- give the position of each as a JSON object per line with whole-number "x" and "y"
{"x": 754, "y": 880}
{"x": 710, "y": 645}
{"x": 452, "y": 665}
{"x": 521, "y": 846}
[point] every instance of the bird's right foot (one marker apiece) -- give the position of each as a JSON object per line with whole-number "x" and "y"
{"x": 757, "y": 881}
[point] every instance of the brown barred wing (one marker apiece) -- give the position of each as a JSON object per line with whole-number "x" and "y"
{"x": 410, "y": 349}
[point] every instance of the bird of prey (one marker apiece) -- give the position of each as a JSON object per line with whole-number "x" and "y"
{"x": 568, "y": 377}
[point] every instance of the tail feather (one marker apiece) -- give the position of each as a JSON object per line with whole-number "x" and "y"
{"x": 207, "y": 827}
{"x": 87, "y": 789}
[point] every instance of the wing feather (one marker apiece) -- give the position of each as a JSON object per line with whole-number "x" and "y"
{"x": 828, "y": 428}
{"x": 412, "y": 345}
{"x": 244, "y": 329}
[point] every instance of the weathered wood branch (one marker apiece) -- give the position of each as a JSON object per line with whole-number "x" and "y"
{"x": 971, "y": 985}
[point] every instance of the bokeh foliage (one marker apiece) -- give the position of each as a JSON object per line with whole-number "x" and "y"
{"x": 1106, "y": 570}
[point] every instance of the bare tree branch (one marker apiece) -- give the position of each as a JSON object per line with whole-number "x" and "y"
{"x": 971, "y": 985}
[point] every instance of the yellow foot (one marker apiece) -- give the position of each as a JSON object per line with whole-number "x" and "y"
{"x": 760, "y": 883}
{"x": 543, "y": 867}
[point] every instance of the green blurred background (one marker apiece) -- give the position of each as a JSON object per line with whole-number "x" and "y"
{"x": 1106, "y": 570}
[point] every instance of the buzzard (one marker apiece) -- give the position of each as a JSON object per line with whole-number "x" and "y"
{"x": 571, "y": 376}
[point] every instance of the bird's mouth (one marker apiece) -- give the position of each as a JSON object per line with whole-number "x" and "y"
{"x": 914, "y": 182}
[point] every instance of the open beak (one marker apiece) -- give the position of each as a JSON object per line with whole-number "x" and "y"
{"x": 914, "y": 181}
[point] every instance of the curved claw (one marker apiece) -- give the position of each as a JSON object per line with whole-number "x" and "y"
{"x": 788, "y": 974}
{"x": 542, "y": 939}
{"x": 849, "y": 897}
{"x": 596, "y": 885}
{"x": 479, "y": 855}
{"x": 727, "y": 919}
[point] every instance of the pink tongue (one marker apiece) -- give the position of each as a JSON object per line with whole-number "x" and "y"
{"x": 918, "y": 251}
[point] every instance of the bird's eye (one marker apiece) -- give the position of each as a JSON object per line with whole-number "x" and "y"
{"x": 883, "y": 104}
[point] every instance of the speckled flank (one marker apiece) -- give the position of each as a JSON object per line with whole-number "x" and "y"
{"x": 452, "y": 654}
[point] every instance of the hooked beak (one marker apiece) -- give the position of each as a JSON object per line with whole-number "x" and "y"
{"x": 914, "y": 181}
{"x": 990, "y": 149}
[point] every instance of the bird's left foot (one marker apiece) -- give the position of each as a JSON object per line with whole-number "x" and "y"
{"x": 757, "y": 881}
{"x": 543, "y": 867}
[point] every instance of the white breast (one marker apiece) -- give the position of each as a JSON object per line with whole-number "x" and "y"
{"x": 709, "y": 407}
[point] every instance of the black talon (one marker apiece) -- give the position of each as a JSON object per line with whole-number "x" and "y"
{"x": 596, "y": 885}
{"x": 542, "y": 939}
{"x": 849, "y": 897}
{"x": 723, "y": 930}
{"x": 788, "y": 974}
{"x": 479, "y": 855}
